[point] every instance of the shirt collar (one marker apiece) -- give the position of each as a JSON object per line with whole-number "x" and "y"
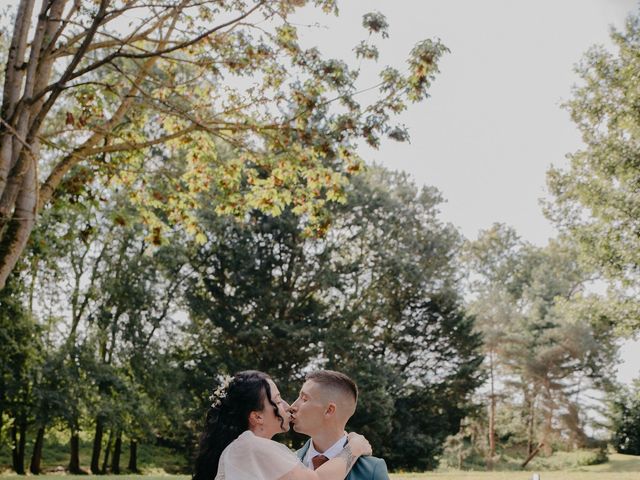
{"x": 331, "y": 452}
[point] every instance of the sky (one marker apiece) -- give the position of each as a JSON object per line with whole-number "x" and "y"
{"x": 494, "y": 123}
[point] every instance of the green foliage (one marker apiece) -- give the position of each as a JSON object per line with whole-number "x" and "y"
{"x": 626, "y": 421}
{"x": 595, "y": 197}
{"x": 20, "y": 362}
{"x": 103, "y": 300}
{"x": 543, "y": 353}
{"x": 376, "y": 22}
{"x": 375, "y": 297}
{"x": 598, "y": 457}
{"x": 461, "y": 455}
{"x": 254, "y": 294}
{"x": 18, "y": 345}
{"x": 293, "y": 120}
{"x": 152, "y": 458}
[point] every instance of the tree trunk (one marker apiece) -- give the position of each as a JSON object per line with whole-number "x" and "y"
{"x": 97, "y": 446}
{"x": 133, "y": 456}
{"x": 2, "y": 390}
{"x": 23, "y": 155}
{"x": 23, "y": 444}
{"x": 27, "y": 121}
{"x": 107, "y": 452}
{"x": 17, "y": 232}
{"x": 531, "y": 455}
{"x": 532, "y": 413}
{"x": 19, "y": 152}
{"x": 14, "y": 72}
{"x": 74, "y": 461}
{"x": 15, "y": 461}
{"x": 19, "y": 440}
{"x": 36, "y": 457}
{"x": 13, "y": 80}
{"x": 492, "y": 416}
{"x": 117, "y": 450}
{"x": 549, "y": 411}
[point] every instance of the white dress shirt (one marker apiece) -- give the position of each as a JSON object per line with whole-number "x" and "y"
{"x": 331, "y": 452}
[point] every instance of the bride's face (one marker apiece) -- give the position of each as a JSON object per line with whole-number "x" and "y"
{"x": 271, "y": 421}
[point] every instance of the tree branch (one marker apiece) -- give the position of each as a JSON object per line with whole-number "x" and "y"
{"x": 119, "y": 54}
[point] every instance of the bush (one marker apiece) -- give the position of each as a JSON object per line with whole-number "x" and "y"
{"x": 596, "y": 457}
{"x": 626, "y": 423}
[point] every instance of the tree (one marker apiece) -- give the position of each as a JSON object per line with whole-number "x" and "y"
{"x": 376, "y": 297}
{"x": 595, "y": 196}
{"x": 99, "y": 281}
{"x": 496, "y": 260}
{"x": 50, "y": 400}
{"x": 20, "y": 354}
{"x": 495, "y": 314}
{"x": 138, "y": 293}
{"x": 87, "y": 91}
{"x": 255, "y": 297}
{"x": 626, "y": 422}
{"x": 397, "y": 319}
{"x": 542, "y": 352}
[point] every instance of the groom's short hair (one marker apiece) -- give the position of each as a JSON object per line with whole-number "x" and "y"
{"x": 336, "y": 381}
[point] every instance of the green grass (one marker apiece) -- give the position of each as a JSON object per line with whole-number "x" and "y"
{"x": 98, "y": 477}
{"x": 560, "y": 475}
{"x": 619, "y": 467}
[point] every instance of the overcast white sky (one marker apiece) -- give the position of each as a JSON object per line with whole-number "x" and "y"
{"x": 494, "y": 124}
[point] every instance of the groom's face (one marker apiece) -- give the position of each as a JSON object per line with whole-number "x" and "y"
{"x": 308, "y": 411}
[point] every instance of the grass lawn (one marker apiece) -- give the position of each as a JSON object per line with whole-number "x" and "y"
{"x": 561, "y": 475}
{"x": 619, "y": 467}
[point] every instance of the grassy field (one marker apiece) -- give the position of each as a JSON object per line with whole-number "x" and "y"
{"x": 619, "y": 467}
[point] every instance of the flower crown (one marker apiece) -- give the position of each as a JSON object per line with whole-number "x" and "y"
{"x": 220, "y": 392}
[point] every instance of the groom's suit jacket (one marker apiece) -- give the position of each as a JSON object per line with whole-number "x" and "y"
{"x": 365, "y": 468}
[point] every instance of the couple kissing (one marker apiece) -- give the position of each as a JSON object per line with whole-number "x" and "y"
{"x": 248, "y": 411}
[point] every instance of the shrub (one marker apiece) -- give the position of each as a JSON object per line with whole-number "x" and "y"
{"x": 594, "y": 458}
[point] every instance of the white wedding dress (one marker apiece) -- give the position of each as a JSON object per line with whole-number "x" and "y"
{"x": 250, "y": 457}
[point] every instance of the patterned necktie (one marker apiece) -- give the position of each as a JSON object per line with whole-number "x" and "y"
{"x": 318, "y": 460}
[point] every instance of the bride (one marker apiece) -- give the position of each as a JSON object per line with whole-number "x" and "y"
{"x": 236, "y": 443}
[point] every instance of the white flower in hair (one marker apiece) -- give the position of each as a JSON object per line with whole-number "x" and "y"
{"x": 220, "y": 392}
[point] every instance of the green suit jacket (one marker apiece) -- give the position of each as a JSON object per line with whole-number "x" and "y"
{"x": 365, "y": 468}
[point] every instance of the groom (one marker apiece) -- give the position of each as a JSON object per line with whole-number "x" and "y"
{"x": 326, "y": 402}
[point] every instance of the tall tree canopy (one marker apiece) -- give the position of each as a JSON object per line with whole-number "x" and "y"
{"x": 119, "y": 86}
{"x": 376, "y": 297}
{"x": 596, "y": 196}
{"x": 544, "y": 356}
{"x": 106, "y": 352}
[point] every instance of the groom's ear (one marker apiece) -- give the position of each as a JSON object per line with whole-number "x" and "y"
{"x": 331, "y": 409}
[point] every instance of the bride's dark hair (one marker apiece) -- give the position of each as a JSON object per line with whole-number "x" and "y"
{"x": 228, "y": 417}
